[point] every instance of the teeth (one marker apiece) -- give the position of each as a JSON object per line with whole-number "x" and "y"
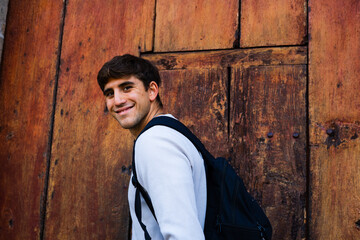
{"x": 120, "y": 111}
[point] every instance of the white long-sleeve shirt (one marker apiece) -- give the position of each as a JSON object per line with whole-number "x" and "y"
{"x": 172, "y": 171}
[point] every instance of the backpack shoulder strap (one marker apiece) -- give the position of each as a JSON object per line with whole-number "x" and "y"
{"x": 140, "y": 190}
{"x": 178, "y": 126}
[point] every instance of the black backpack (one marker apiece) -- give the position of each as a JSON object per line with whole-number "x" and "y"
{"x": 231, "y": 212}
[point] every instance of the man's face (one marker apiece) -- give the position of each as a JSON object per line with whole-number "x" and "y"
{"x": 128, "y": 102}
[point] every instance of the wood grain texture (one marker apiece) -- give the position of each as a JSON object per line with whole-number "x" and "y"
{"x": 26, "y": 103}
{"x": 268, "y": 108}
{"x": 196, "y": 92}
{"x": 195, "y": 25}
{"x": 334, "y": 108}
{"x": 273, "y": 23}
{"x": 226, "y": 58}
{"x": 232, "y": 99}
{"x": 91, "y": 154}
{"x": 196, "y": 86}
{"x": 198, "y": 98}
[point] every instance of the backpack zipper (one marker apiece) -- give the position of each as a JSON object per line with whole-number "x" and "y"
{"x": 218, "y": 223}
{"x": 218, "y": 217}
{"x": 262, "y": 231}
{"x": 259, "y": 227}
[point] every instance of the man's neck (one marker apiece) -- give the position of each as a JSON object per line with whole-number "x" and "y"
{"x": 156, "y": 111}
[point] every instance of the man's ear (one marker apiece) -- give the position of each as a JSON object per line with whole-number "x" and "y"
{"x": 153, "y": 91}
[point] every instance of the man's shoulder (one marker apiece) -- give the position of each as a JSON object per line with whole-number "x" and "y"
{"x": 160, "y": 133}
{"x": 163, "y": 135}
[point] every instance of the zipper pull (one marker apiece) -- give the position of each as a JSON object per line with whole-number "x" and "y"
{"x": 262, "y": 231}
{"x": 218, "y": 223}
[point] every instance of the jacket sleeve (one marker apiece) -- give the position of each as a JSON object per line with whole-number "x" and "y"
{"x": 164, "y": 161}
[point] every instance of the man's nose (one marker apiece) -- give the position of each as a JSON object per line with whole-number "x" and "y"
{"x": 119, "y": 98}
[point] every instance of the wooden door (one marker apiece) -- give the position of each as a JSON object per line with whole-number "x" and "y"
{"x": 248, "y": 106}
{"x": 271, "y": 85}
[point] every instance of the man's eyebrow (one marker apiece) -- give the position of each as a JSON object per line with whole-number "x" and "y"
{"x": 120, "y": 85}
{"x": 126, "y": 83}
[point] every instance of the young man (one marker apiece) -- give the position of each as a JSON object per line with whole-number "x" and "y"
{"x": 168, "y": 165}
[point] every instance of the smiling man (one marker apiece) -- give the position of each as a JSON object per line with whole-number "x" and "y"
{"x": 168, "y": 165}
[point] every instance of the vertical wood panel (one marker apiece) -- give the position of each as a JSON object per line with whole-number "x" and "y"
{"x": 26, "y": 103}
{"x": 273, "y": 23}
{"x": 334, "y": 70}
{"x": 91, "y": 154}
{"x": 195, "y": 25}
{"x": 195, "y": 91}
{"x": 198, "y": 97}
{"x": 271, "y": 100}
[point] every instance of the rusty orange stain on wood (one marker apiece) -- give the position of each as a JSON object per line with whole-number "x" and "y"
{"x": 334, "y": 109}
{"x": 335, "y": 180}
{"x": 269, "y": 139}
{"x": 273, "y": 23}
{"x": 195, "y": 25}
{"x": 198, "y": 97}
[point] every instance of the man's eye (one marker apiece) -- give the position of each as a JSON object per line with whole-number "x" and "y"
{"x": 127, "y": 88}
{"x": 108, "y": 94}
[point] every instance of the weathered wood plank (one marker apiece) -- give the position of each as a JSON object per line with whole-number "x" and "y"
{"x": 91, "y": 154}
{"x": 198, "y": 97}
{"x": 26, "y": 103}
{"x": 334, "y": 108}
{"x": 194, "y": 25}
{"x": 225, "y": 58}
{"x": 267, "y": 111}
{"x": 265, "y": 89}
{"x": 273, "y": 23}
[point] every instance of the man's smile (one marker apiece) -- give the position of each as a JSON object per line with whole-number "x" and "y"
{"x": 123, "y": 110}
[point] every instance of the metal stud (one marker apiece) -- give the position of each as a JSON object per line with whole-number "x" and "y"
{"x": 330, "y": 132}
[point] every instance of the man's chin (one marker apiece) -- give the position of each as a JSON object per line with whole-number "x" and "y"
{"x": 126, "y": 124}
{"x": 134, "y": 127}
